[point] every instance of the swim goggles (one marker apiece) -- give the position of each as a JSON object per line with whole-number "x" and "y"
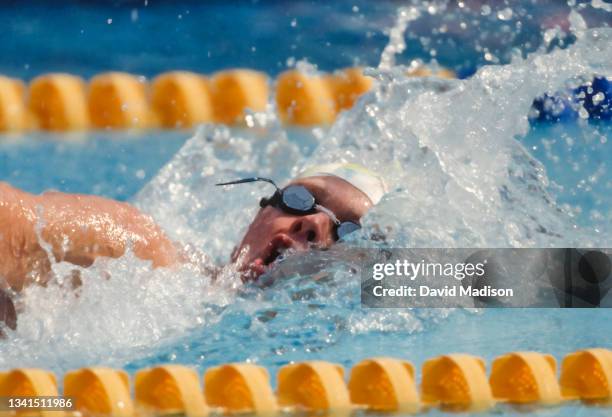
{"x": 297, "y": 200}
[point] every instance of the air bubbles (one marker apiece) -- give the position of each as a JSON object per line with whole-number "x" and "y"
{"x": 601, "y": 4}
{"x": 598, "y": 98}
{"x": 489, "y": 57}
{"x": 306, "y": 67}
{"x": 454, "y": 168}
{"x": 397, "y": 42}
{"x": 505, "y": 14}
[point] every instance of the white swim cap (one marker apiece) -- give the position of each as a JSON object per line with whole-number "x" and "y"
{"x": 368, "y": 182}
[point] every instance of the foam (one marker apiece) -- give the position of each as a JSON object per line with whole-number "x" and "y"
{"x": 459, "y": 178}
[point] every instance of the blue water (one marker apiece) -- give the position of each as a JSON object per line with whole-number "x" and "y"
{"x": 118, "y": 164}
{"x": 323, "y": 320}
{"x": 297, "y": 319}
{"x": 151, "y": 36}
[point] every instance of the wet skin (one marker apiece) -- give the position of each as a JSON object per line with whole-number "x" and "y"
{"x": 77, "y": 229}
{"x": 81, "y": 228}
{"x": 272, "y": 231}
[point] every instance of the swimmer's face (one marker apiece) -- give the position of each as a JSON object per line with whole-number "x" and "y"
{"x": 273, "y": 231}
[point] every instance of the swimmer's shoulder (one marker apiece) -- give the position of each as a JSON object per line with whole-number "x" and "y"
{"x": 7, "y": 191}
{"x": 13, "y": 201}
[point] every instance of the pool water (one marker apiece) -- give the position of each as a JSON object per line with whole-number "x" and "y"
{"x": 574, "y": 155}
{"x": 148, "y": 37}
{"x": 465, "y": 168}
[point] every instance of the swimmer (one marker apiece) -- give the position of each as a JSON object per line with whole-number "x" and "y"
{"x": 314, "y": 210}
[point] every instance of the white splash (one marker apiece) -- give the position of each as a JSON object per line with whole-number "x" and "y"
{"x": 459, "y": 178}
{"x": 397, "y": 41}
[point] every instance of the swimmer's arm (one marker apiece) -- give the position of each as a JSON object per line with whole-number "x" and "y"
{"x": 81, "y": 228}
{"x": 19, "y": 249}
{"x": 77, "y": 229}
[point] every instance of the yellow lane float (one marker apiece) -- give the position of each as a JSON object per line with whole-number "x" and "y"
{"x": 314, "y": 386}
{"x": 456, "y": 382}
{"x": 587, "y": 375}
{"x": 118, "y": 100}
{"x": 14, "y": 115}
{"x": 525, "y": 377}
{"x": 240, "y": 388}
{"x": 170, "y": 389}
{"x": 384, "y": 384}
{"x": 99, "y": 391}
{"x": 347, "y": 86}
{"x": 25, "y": 382}
{"x": 235, "y": 91}
{"x": 181, "y": 99}
{"x": 58, "y": 102}
{"x": 304, "y": 100}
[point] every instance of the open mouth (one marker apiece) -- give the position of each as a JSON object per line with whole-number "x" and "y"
{"x": 272, "y": 257}
{"x": 277, "y": 248}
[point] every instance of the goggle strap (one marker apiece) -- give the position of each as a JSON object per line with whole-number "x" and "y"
{"x": 270, "y": 201}
{"x": 327, "y": 211}
{"x": 267, "y": 201}
{"x": 245, "y": 180}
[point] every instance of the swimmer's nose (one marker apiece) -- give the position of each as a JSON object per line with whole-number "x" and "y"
{"x": 313, "y": 228}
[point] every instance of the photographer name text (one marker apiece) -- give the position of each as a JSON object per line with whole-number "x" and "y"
{"x": 412, "y": 271}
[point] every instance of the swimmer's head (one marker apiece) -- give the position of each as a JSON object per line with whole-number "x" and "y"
{"x": 345, "y": 191}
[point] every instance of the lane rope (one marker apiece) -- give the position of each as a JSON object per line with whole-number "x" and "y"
{"x": 456, "y": 382}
